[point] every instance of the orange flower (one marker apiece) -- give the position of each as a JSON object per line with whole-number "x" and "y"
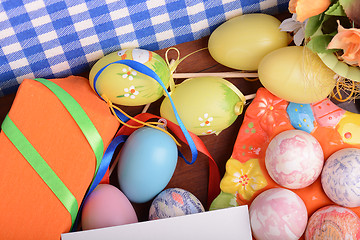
{"x": 349, "y": 41}
{"x": 308, "y": 8}
{"x": 270, "y": 112}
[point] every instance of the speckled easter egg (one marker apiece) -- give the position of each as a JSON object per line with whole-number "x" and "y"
{"x": 278, "y": 213}
{"x": 174, "y": 202}
{"x": 124, "y": 85}
{"x": 206, "y": 105}
{"x": 294, "y": 159}
{"x": 340, "y": 177}
{"x": 333, "y": 222}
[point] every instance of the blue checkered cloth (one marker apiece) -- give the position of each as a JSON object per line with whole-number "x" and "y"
{"x": 57, "y": 38}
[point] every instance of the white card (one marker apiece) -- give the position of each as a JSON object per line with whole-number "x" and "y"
{"x": 229, "y": 222}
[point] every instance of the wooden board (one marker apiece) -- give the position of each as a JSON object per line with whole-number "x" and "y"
{"x": 193, "y": 178}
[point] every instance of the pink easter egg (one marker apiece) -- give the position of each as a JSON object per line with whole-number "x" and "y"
{"x": 278, "y": 213}
{"x": 294, "y": 159}
{"x": 107, "y": 206}
{"x": 333, "y": 222}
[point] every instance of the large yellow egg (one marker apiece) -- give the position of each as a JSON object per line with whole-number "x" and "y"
{"x": 242, "y": 41}
{"x": 125, "y": 86}
{"x": 206, "y": 105}
{"x": 296, "y": 74}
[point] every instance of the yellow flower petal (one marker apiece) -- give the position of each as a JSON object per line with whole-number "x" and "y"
{"x": 228, "y": 185}
{"x": 243, "y": 178}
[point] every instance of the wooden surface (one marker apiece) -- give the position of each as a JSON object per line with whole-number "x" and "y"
{"x": 193, "y": 178}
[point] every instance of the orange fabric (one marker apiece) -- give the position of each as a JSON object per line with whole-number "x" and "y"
{"x": 28, "y": 208}
{"x": 264, "y": 119}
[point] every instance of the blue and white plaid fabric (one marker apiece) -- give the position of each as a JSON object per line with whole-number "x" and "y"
{"x": 57, "y": 38}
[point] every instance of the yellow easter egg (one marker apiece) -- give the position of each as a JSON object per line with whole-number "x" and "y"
{"x": 242, "y": 41}
{"x": 296, "y": 74}
{"x": 124, "y": 85}
{"x": 206, "y": 105}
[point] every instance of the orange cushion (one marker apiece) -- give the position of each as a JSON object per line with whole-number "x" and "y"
{"x": 28, "y": 208}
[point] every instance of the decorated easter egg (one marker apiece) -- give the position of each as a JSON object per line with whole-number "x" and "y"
{"x": 147, "y": 162}
{"x": 340, "y": 177}
{"x": 294, "y": 159}
{"x": 174, "y": 202}
{"x": 276, "y": 214}
{"x": 115, "y": 78}
{"x": 333, "y": 222}
{"x": 206, "y": 105}
{"x": 296, "y": 74}
{"x": 242, "y": 41}
{"x": 107, "y": 206}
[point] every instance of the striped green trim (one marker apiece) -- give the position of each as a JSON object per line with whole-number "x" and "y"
{"x": 40, "y": 166}
{"x": 80, "y": 117}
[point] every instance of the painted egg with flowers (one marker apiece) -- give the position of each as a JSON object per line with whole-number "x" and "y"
{"x": 333, "y": 222}
{"x": 112, "y": 77}
{"x": 174, "y": 202}
{"x": 206, "y": 105}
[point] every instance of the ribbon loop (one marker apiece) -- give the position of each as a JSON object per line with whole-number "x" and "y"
{"x": 137, "y": 66}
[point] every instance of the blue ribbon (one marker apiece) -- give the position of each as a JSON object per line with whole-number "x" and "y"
{"x": 149, "y": 72}
{"x": 104, "y": 165}
{"x": 105, "y": 162}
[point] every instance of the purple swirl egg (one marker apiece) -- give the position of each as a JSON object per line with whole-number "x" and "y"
{"x": 340, "y": 178}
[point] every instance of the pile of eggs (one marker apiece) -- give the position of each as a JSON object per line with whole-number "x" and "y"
{"x": 107, "y": 206}
{"x": 203, "y": 111}
{"x": 146, "y": 164}
{"x": 294, "y": 159}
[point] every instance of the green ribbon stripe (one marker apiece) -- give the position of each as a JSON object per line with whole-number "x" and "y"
{"x": 40, "y": 166}
{"x": 80, "y": 117}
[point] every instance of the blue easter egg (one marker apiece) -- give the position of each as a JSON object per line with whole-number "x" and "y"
{"x": 146, "y": 164}
{"x": 340, "y": 177}
{"x": 174, "y": 202}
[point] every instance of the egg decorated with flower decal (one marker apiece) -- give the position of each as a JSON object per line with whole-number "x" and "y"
{"x": 112, "y": 77}
{"x": 206, "y": 105}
